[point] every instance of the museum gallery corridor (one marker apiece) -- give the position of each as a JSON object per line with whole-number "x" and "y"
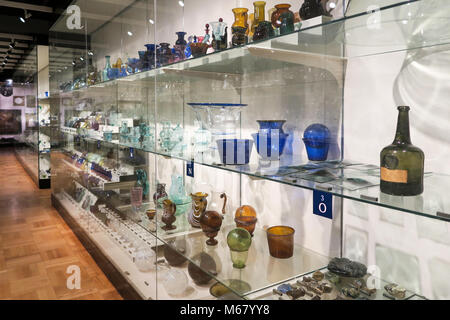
{"x": 36, "y": 245}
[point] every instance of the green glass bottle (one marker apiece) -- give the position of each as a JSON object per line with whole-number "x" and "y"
{"x": 402, "y": 164}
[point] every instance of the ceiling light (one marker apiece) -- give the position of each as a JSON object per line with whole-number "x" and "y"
{"x": 90, "y": 53}
{"x": 332, "y": 5}
{"x": 81, "y": 58}
{"x": 12, "y": 44}
{"x": 181, "y": 3}
{"x": 26, "y": 16}
{"x": 73, "y": 62}
{"x": 151, "y": 21}
{"x": 130, "y": 33}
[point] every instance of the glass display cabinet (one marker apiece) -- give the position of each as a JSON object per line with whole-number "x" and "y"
{"x": 231, "y": 149}
{"x": 33, "y": 147}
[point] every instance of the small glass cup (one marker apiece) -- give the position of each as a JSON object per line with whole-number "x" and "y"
{"x": 281, "y": 241}
{"x": 239, "y": 241}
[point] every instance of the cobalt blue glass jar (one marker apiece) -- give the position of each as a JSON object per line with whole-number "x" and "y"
{"x": 317, "y": 141}
{"x": 270, "y": 139}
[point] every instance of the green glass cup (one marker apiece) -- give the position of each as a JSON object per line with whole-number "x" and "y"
{"x": 239, "y": 241}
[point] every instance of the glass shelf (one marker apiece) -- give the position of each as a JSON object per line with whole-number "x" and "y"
{"x": 320, "y": 45}
{"x": 261, "y": 269}
{"x": 346, "y": 179}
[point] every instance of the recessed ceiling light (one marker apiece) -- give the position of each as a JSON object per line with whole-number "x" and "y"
{"x": 130, "y": 33}
{"x": 151, "y": 21}
{"x": 181, "y": 3}
{"x": 22, "y": 19}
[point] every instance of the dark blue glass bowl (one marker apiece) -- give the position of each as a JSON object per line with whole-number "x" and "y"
{"x": 270, "y": 146}
{"x": 235, "y": 151}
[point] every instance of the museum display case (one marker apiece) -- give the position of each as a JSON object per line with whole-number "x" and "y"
{"x": 231, "y": 149}
{"x": 33, "y": 146}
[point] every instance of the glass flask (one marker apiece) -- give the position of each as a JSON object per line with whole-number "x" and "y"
{"x": 210, "y": 222}
{"x": 245, "y": 217}
{"x": 177, "y": 194}
{"x": 199, "y": 204}
{"x": 260, "y": 14}
{"x": 402, "y": 164}
{"x": 107, "y": 68}
{"x": 160, "y": 195}
{"x": 280, "y": 9}
{"x": 317, "y": 141}
{"x": 287, "y": 23}
{"x": 219, "y": 33}
{"x": 239, "y": 241}
{"x": 168, "y": 217}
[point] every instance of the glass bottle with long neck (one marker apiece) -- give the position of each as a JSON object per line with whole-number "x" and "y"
{"x": 259, "y": 13}
{"x": 402, "y": 164}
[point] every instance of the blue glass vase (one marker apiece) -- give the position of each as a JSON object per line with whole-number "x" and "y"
{"x": 270, "y": 145}
{"x": 270, "y": 139}
{"x": 181, "y": 40}
{"x": 317, "y": 141}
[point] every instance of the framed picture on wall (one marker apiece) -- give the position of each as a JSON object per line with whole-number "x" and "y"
{"x": 31, "y": 101}
{"x": 10, "y": 122}
{"x": 18, "y": 101}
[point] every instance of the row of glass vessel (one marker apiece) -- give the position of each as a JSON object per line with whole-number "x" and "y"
{"x": 246, "y": 28}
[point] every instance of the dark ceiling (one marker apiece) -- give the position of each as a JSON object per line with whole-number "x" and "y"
{"x": 34, "y": 31}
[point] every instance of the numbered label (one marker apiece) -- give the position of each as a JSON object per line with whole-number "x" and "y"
{"x": 190, "y": 169}
{"x": 323, "y": 204}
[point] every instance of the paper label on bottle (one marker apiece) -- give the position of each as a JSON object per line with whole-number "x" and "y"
{"x": 396, "y": 176}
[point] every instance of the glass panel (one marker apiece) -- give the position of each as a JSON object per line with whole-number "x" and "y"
{"x": 261, "y": 123}
{"x": 20, "y": 113}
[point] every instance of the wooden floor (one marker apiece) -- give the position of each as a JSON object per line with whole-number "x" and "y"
{"x": 36, "y": 245}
